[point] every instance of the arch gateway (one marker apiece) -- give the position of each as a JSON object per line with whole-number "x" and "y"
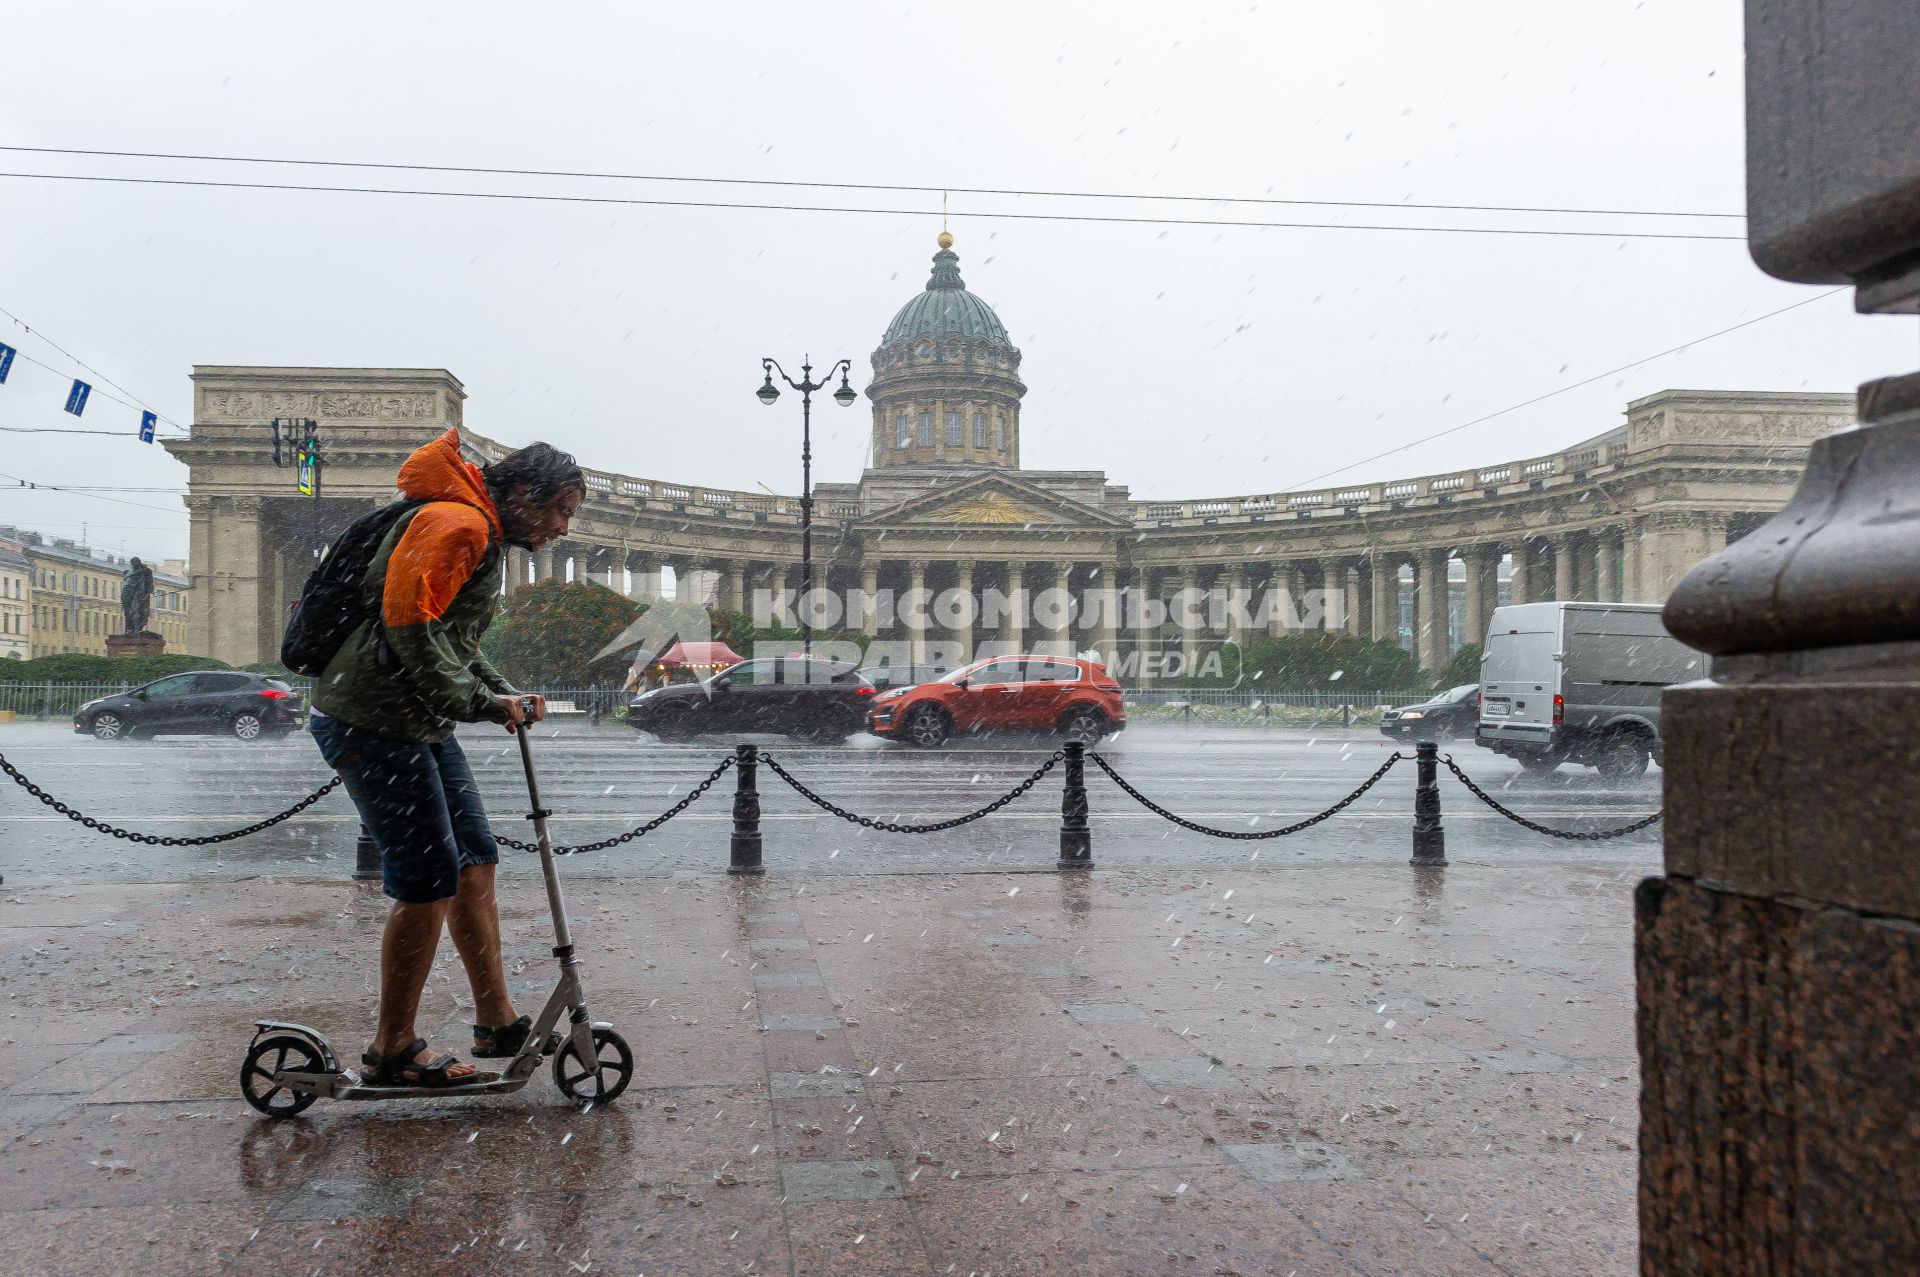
{"x": 946, "y": 547}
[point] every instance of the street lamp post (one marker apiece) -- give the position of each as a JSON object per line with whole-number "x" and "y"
{"x": 844, "y": 396}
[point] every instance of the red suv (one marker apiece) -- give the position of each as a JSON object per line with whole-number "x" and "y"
{"x": 1075, "y": 699}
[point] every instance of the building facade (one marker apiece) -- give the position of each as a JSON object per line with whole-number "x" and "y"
{"x": 73, "y": 596}
{"x": 1049, "y": 560}
{"x": 16, "y": 607}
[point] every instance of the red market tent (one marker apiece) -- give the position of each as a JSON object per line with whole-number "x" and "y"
{"x": 703, "y": 658}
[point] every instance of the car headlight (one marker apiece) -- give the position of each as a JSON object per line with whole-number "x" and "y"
{"x": 892, "y": 694}
{"x": 1413, "y": 713}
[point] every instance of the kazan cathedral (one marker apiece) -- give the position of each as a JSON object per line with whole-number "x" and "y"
{"x": 1619, "y": 511}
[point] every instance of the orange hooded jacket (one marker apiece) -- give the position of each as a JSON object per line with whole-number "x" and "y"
{"x": 417, "y": 670}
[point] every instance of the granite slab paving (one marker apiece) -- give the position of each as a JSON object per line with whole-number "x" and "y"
{"x": 1354, "y": 1069}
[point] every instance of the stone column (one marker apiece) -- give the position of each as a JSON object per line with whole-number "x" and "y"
{"x": 1014, "y": 633}
{"x": 1063, "y": 582}
{"x": 1190, "y": 637}
{"x": 1235, "y": 578}
{"x": 236, "y": 636}
{"x": 1472, "y": 559}
{"x": 1605, "y": 546}
{"x": 1630, "y": 564}
{"x": 517, "y": 563}
{"x": 1519, "y": 583}
{"x": 869, "y": 593}
{"x": 1333, "y": 594}
{"x": 1107, "y": 638}
{"x": 1489, "y": 593}
{"x": 1280, "y": 586}
{"x": 543, "y": 564}
{"x": 1144, "y": 631}
{"x": 1778, "y": 959}
{"x": 963, "y": 630}
{"x": 1671, "y": 544}
{"x": 917, "y": 619}
{"x": 1563, "y": 568}
{"x": 582, "y": 573}
{"x": 1386, "y": 599}
{"x": 200, "y": 568}
{"x": 1430, "y": 609}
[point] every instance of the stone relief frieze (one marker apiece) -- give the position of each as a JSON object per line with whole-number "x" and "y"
{"x": 259, "y": 405}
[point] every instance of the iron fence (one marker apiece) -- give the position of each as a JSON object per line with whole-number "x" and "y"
{"x": 61, "y": 700}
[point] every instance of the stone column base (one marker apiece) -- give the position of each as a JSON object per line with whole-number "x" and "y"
{"x": 1780, "y": 1059}
{"x": 145, "y": 643}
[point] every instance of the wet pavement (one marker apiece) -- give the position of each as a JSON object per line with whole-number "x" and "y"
{"x": 1185, "y": 1061}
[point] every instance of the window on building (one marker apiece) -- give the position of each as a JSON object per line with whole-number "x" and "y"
{"x": 999, "y": 433}
{"x": 926, "y": 430}
{"x": 979, "y": 429}
{"x": 902, "y": 432}
{"x": 955, "y": 433}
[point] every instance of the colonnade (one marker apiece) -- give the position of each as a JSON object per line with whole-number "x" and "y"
{"x": 1413, "y": 596}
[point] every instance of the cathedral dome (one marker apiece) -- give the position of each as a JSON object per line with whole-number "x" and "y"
{"x": 946, "y": 380}
{"x": 945, "y": 308}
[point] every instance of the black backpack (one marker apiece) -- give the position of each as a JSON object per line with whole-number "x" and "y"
{"x": 334, "y": 601}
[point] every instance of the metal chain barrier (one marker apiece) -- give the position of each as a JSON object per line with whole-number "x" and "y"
{"x": 887, "y": 826}
{"x": 693, "y": 796}
{"x": 1246, "y": 835}
{"x": 1594, "y": 835}
{"x": 162, "y": 840}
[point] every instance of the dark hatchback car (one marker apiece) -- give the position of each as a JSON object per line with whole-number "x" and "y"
{"x": 808, "y": 699}
{"x": 1451, "y": 715}
{"x": 223, "y": 702}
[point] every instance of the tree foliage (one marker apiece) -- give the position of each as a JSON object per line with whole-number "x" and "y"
{"x": 548, "y": 633}
{"x": 1463, "y": 668}
{"x": 1319, "y": 660}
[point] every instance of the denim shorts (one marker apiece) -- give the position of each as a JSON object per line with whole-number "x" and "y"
{"x": 420, "y": 804}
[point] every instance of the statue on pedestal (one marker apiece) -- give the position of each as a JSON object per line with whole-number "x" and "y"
{"x": 136, "y": 597}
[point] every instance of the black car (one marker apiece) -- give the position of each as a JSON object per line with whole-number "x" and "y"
{"x": 807, "y": 699}
{"x": 887, "y": 677}
{"x": 224, "y": 702}
{"x": 1450, "y": 715}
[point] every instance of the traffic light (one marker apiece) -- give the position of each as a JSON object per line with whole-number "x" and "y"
{"x": 307, "y": 459}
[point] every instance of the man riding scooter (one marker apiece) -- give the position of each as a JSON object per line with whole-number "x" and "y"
{"x": 384, "y": 712}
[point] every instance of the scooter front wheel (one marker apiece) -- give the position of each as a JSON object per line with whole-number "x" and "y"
{"x": 597, "y": 1081}
{"x": 274, "y": 1056}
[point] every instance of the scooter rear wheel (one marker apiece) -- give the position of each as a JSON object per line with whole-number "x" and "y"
{"x": 272, "y": 1056}
{"x": 601, "y": 1080}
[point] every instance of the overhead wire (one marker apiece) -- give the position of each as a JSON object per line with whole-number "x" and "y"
{"x": 534, "y": 197}
{"x": 853, "y": 186}
{"x": 29, "y": 485}
{"x": 1585, "y": 381}
{"x": 131, "y": 401}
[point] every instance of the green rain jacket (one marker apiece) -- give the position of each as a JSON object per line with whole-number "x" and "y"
{"x": 416, "y": 670}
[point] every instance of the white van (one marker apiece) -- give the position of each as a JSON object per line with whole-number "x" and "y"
{"x": 1580, "y": 683}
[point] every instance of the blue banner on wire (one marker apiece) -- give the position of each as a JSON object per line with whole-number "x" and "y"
{"x": 77, "y": 397}
{"x": 6, "y": 362}
{"x": 148, "y": 420}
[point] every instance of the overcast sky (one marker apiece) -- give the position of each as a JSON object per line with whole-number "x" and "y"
{"x": 1183, "y": 361}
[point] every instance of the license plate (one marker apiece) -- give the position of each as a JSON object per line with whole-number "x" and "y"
{"x": 1495, "y": 707}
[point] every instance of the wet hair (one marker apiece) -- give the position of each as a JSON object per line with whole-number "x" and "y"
{"x": 542, "y": 469}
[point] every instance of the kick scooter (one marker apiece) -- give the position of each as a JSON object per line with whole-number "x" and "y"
{"x": 289, "y": 1066}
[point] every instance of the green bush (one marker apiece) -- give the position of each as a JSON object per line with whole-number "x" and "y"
{"x": 1320, "y": 660}
{"x": 81, "y": 667}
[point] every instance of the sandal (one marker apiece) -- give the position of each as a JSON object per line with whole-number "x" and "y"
{"x": 403, "y": 1069}
{"x": 508, "y": 1039}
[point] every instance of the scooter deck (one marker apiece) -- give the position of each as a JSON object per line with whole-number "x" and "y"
{"x": 348, "y": 1086}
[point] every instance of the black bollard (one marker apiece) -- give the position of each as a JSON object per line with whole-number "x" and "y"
{"x": 366, "y": 857}
{"x": 1076, "y": 839}
{"x": 1429, "y": 839}
{"x": 746, "y": 811}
